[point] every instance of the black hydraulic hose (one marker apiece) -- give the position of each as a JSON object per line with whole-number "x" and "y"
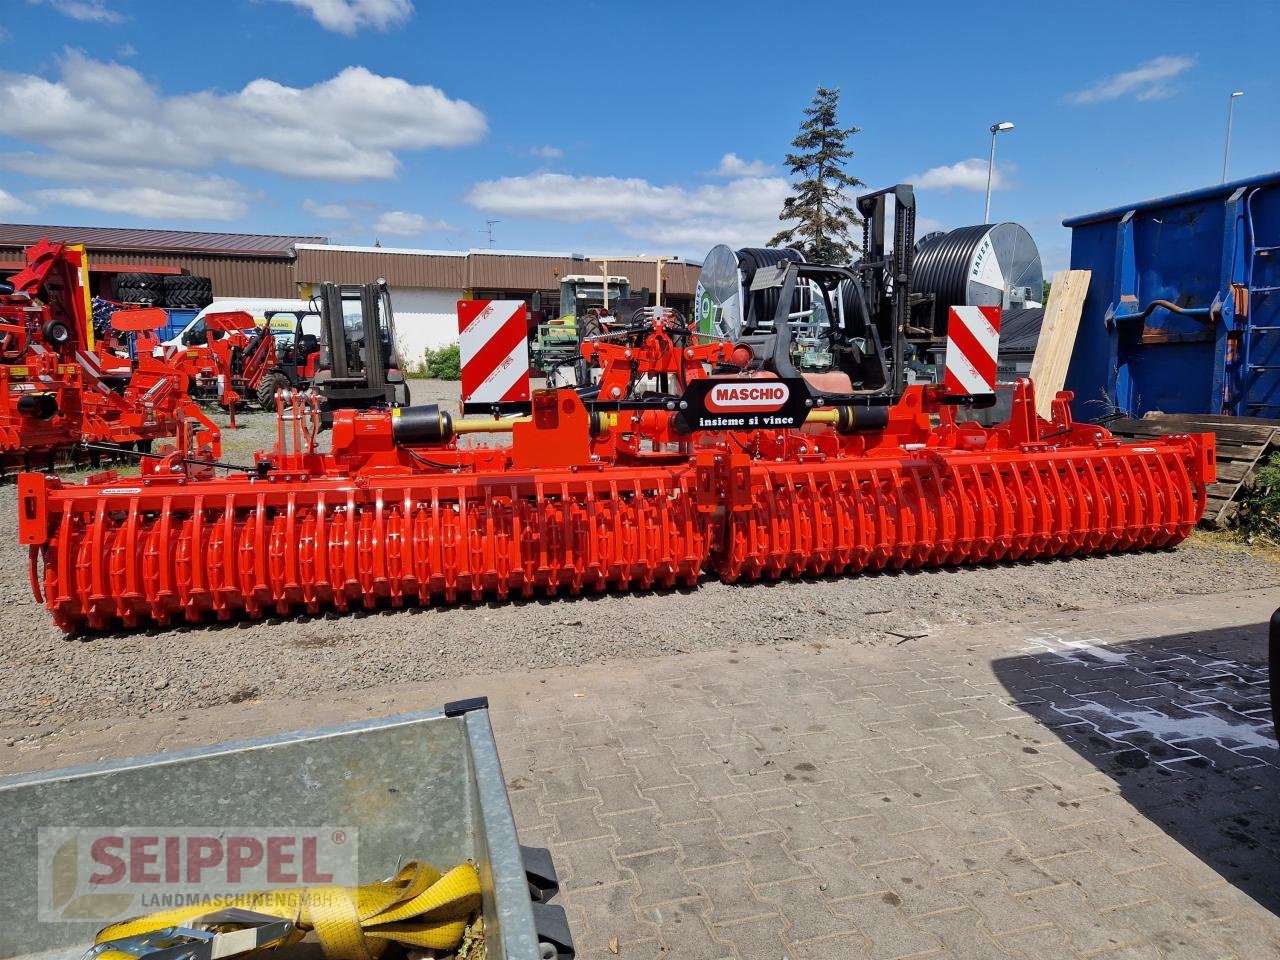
{"x": 147, "y": 454}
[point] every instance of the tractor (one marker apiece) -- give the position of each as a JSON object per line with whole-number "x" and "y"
{"x": 585, "y": 310}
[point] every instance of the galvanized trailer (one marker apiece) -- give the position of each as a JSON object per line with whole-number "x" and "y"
{"x": 423, "y": 785}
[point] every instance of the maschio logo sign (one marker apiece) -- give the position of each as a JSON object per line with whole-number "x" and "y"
{"x": 745, "y": 404}
{"x": 744, "y": 397}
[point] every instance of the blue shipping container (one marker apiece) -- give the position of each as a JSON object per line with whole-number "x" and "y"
{"x": 178, "y": 320}
{"x": 1183, "y": 309}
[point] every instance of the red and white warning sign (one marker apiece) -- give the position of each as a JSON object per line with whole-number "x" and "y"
{"x": 493, "y": 350}
{"x": 973, "y": 337}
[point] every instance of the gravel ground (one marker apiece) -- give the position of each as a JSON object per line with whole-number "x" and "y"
{"x": 50, "y": 679}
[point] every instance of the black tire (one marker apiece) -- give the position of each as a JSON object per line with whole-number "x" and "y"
{"x": 188, "y": 291}
{"x": 56, "y": 333}
{"x": 143, "y": 281}
{"x": 143, "y": 288}
{"x": 139, "y": 295}
{"x": 589, "y": 326}
{"x": 267, "y": 388}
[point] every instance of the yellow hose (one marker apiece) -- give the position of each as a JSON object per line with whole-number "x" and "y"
{"x": 417, "y": 908}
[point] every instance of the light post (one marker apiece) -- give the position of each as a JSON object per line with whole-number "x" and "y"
{"x": 1226, "y": 150}
{"x": 991, "y": 164}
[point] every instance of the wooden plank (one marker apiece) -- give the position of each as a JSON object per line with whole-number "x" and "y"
{"x": 1236, "y": 470}
{"x": 1242, "y": 444}
{"x": 1058, "y": 336}
{"x": 1163, "y": 427}
{"x": 1215, "y": 418}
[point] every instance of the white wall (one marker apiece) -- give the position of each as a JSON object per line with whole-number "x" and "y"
{"x": 424, "y": 318}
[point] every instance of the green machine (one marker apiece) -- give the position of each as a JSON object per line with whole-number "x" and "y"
{"x": 584, "y": 313}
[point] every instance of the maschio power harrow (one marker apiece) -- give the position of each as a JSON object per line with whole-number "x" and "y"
{"x": 725, "y": 463}
{"x": 588, "y": 499}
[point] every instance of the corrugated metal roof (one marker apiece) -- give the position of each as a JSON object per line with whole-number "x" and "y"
{"x": 232, "y": 276}
{"x": 260, "y": 265}
{"x": 362, "y": 265}
{"x": 366, "y": 248}
{"x": 160, "y": 241}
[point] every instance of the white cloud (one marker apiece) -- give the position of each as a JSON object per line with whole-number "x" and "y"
{"x": 126, "y": 51}
{"x": 147, "y": 203}
{"x": 968, "y": 174}
{"x": 144, "y": 192}
{"x": 1152, "y": 80}
{"x": 398, "y": 223}
{"x": 349, "y": 16}
{"x": 741, "y": 212}
{"x": 546, "y": 152}
{"x": 11, "y": 205}
{"x": 328, "y": 211}
{"x": 103, "y": 111}
{"x": 732, "y": 165}
{"x": 90, "y": 11}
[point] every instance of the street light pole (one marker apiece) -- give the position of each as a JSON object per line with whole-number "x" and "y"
{"x": 991, "y": 164}
{"x": 1226, "y": 150}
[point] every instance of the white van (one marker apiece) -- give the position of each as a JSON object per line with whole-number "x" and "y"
{"x": 283, "y": 314}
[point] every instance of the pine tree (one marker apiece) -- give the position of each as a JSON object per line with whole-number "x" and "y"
{"x": 824, "y": 215}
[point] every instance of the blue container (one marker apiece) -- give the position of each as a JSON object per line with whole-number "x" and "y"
{"x": 1183, "y": 309}
{"x": 178, "y": 320}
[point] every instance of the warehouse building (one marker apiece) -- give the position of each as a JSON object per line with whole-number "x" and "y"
{"x": 425, "y": 284}
{"x": 240, "y": 265}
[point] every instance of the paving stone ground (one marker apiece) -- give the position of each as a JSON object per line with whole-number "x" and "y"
{"x": 1091, "y": 785}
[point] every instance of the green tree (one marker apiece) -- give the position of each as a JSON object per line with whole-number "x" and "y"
{"x": 821, "y": 212}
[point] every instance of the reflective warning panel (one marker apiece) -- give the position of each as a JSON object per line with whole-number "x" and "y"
{"x": 494, "y": 351}
{"x": 973, "y": 339}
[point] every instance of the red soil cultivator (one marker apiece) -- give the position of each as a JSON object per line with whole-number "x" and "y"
{"x": 727, "y": 463}
{"x": 58, "y": 390}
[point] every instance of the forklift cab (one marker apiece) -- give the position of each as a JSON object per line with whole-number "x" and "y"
{"x": 359, "y": 360}
{"x": 297, "y": 336}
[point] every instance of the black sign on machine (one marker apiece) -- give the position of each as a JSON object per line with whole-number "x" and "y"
{"x": 743, "y": 405}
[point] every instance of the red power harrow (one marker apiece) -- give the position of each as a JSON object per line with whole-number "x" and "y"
{"x": 745, "y": 477}
{"x": 58, "y": 391}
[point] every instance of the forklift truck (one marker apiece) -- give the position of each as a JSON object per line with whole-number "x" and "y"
{"x": 360, "y": 365}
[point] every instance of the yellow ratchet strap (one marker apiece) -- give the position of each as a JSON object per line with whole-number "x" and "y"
{"x": 418, "y": 907}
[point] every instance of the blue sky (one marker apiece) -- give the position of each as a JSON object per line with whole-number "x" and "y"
{"x": 608, "y": 127}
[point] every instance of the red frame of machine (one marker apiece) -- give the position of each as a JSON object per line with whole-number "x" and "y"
{"x": 585, "y": 500}
{"x": 69, "y": 399}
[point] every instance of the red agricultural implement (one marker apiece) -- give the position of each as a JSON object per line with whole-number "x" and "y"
{"x": 242, "y": 360}
{"x": 727, "y": 464}
{"x": 57, "y": 391}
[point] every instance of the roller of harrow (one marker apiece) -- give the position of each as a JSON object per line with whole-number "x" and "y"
{"x": 399, "y": 512}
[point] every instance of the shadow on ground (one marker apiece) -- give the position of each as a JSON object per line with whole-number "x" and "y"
{"x": 1183, "y": 726}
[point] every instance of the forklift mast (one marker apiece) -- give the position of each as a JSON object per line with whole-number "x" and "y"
{"x": 886, "y": 274}
{"x": 359, "y": 360}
